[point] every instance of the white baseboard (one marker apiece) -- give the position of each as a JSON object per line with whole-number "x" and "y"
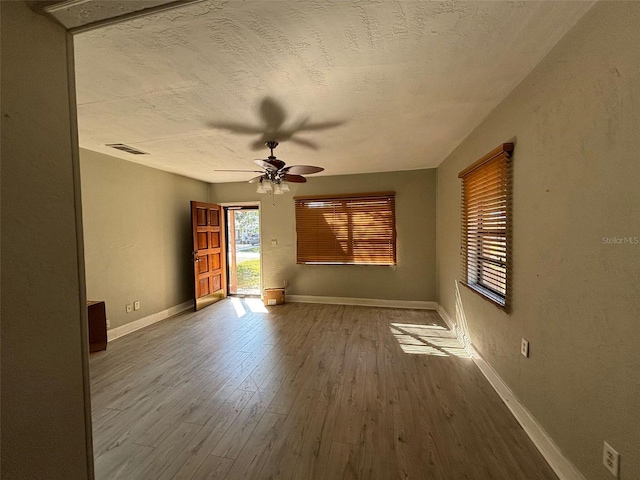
{"x": 453, "y": 326}
{"x": 118, "y": 332}
{"x": 447, "y": 319}
{"x": 561, "y": 465}
{"x": 365, "y": 302}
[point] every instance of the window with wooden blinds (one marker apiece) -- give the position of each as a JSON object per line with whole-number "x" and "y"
{"x": 486, "y": 224}
{"x": 354, "y": 229}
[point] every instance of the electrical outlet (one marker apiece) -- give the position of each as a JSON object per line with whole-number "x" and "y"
{"x": 524, "y": 348}
{"x": 129, "y": 308}
{"x": 274, "y": 242}
{"x": 136, "y": 305}
{"x": 108, "y": 324}
{"x": 611, "y": 459}
{"x": 286, "y": 283}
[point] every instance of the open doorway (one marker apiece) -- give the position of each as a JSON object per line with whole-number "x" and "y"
{"x": 243, "y": 250}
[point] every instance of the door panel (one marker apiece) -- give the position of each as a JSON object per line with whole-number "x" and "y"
{"x": 209, "y": 266}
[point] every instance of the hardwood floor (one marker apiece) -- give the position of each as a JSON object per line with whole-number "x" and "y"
{"x": 302, "y": 391}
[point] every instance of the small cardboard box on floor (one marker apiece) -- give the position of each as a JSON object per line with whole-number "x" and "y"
{"x": 273, "y": 296}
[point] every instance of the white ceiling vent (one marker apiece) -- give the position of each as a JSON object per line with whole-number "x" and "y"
{"x": 126, "y": 148}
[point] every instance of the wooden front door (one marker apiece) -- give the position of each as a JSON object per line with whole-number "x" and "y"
{"x": 209, "y": 265}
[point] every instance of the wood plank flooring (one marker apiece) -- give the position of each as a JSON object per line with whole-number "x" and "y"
{"x": 301, "y": 391}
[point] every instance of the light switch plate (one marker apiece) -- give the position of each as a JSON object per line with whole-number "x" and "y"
{"x": 611, "y": 459}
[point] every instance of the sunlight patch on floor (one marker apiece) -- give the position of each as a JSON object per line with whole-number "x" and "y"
{"x": 237, "y": 305}
{"x": 255, "y": 305}
{"x": 434, "y": 340}
{"x": 241, "y": 305}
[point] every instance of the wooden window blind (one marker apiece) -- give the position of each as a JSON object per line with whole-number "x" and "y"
{"x": 353, "y": 229}
{"x": 486, "y": 224}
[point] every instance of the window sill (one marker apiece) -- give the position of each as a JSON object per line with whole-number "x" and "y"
{"x": 488, "y": 296}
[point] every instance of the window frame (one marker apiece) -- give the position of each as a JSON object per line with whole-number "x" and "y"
{"x": 329, "y": 255}
{"x": 486, "y": 254}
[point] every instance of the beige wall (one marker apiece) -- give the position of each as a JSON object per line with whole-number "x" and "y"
{"x": 412, "y": 279}
{"x": 45, "y": 423}
{"x": 137, "y": 235}
{"x": 576, "y": 122}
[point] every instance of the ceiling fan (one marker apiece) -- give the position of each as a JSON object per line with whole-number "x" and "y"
{"x": 277, "y": 173}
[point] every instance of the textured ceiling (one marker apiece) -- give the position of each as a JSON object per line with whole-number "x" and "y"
{"x": 362, "y": 86}
{"x": 76, "y": 13}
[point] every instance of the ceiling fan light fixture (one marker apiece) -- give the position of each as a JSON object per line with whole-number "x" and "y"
{"x": 267, "y": 187}
{"x": 285, "y": 187}
{"x": 277, "y": 189}
{"x": 261, "y": 188}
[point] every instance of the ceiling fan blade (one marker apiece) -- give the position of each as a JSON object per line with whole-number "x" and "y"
{"x": 265, "y": 164}
{"x": 255, "y": 179}
{"x": 276, "y": 163}
{"x": 303, "y": 169}
{"x": 254, "y": 171}
{"x": 295, "y": 178}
